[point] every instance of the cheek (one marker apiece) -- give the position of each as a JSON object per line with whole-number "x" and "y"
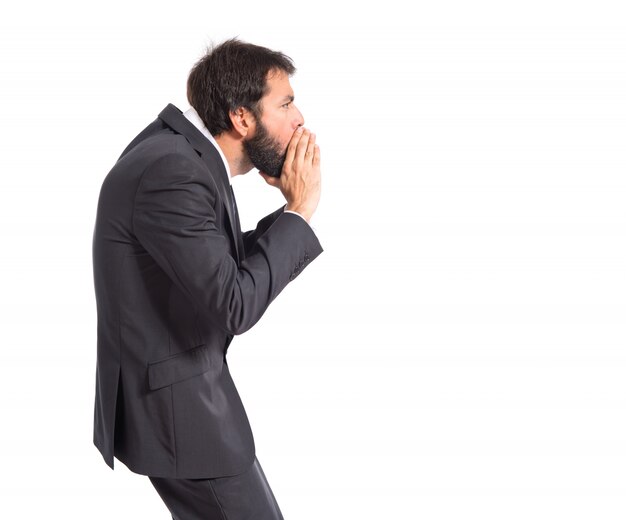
{"x": 285, "y": 139}
{"x": 281, "y": 131}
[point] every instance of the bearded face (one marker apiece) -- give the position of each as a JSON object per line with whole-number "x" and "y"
{"x": 265, "y": 152}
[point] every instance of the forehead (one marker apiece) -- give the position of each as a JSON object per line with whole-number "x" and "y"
{"x": 278, "y": 86}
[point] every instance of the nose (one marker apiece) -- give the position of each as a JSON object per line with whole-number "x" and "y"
{"x": 299, "y": 120}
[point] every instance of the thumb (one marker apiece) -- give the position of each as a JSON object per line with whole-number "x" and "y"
{"x": 272, "y": 181}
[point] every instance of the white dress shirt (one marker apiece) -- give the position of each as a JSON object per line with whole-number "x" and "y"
{"x": 195, "y": 119}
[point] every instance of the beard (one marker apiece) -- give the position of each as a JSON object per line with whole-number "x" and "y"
{"x": 264, "y": 152}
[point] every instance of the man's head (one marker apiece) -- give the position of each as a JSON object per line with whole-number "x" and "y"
{"x": 244, "y": 89}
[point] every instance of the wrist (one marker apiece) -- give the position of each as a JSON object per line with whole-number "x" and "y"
{"x": 303, "y": 212}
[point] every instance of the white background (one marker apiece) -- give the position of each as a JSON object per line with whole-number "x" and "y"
{"x": 458, "y": 349}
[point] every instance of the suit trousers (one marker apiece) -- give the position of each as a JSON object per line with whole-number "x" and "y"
{"x": 246, "y": 496}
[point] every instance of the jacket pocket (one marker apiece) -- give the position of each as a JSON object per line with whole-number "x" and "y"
{"x": 178, "y": 367}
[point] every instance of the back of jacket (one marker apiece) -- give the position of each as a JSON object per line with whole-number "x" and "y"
{"x": 172, "y": 289}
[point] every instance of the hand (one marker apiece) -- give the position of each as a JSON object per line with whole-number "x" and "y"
{"x": 300, "y": 178}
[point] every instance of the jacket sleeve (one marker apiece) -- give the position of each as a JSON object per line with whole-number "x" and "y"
{"x": 174, "y": 219}
{"x": 250, "y": 237}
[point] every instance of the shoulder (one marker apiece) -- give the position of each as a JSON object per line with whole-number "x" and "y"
{"x": 171, "y": 155}
{"x": 163, "y": 144}
{"x": 172, "y": 166}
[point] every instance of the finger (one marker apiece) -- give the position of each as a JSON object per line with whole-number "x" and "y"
{"x": 291, "y": 147}
{"x": 302, "y": 146}
{"x": 317, "y": 155}
{"x": 310, "y": 149}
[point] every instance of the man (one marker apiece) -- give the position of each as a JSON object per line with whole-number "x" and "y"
{"x": 175, "y": 279}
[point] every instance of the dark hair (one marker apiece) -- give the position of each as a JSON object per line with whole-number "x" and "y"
{"x": 230, "y": 75}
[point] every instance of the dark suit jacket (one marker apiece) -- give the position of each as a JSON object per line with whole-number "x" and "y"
{"x": 175, "y": 279}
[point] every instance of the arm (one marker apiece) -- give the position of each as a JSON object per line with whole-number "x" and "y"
{"x": 250, "y": 237}
{"x": 175, "y": 221}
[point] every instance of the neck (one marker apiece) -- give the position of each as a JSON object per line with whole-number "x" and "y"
{"x": 233, "y": 150}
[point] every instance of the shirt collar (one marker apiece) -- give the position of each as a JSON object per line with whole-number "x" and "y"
{"x": 195, "y": 119}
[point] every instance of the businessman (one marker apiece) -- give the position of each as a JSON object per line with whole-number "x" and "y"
{"x": 176, "y": 279}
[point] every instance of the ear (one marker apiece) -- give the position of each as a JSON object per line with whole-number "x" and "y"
{"x": 243, "y": 121}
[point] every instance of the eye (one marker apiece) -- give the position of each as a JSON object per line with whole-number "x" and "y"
{"x": 286, "y": 105}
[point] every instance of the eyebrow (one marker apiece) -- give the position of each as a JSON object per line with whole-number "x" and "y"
{"x": 287, "y": 98}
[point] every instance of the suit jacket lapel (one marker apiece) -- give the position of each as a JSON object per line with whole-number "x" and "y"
{"x": 175, "y": 119}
